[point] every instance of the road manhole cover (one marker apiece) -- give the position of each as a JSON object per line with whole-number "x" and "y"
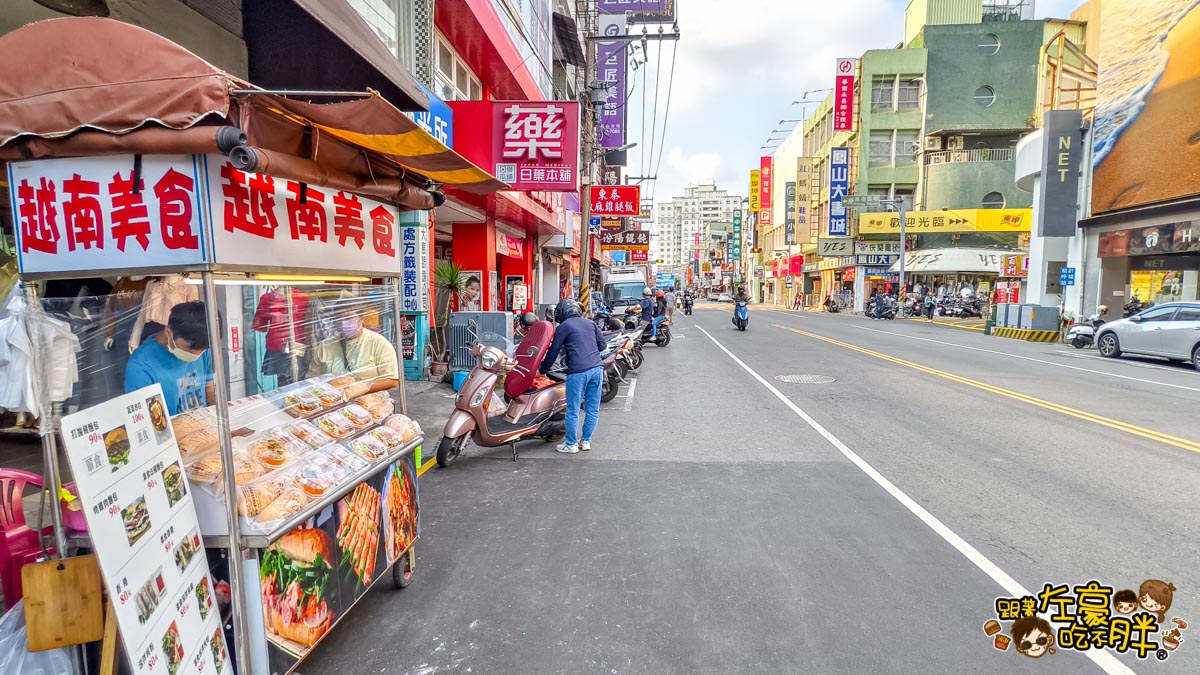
{"x": 804, "y": 379}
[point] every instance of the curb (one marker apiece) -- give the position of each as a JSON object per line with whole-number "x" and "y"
{"x": 1027, "y": 335}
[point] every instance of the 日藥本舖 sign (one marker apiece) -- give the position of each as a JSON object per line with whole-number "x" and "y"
{"x": 87, "y": 214}
{"x": 839, "y": 184}
{"x": 531, "y": 145}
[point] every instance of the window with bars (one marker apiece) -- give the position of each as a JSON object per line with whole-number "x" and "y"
{"x": 883, "y": 92}
{"x": 908, "y": 144}
{"x": 879, "y": 152}
{"x": 909, "y": 93}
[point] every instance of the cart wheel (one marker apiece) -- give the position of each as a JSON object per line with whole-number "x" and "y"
{"x": 402, "y": 571}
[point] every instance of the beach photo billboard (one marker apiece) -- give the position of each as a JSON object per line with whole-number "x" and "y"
{"x": 1147, "y": 123}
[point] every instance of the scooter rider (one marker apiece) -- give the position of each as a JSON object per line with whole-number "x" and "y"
{"x": 741, "y": 295}
{"x": 647, "y": 315}
{"x": 585, "y": 372}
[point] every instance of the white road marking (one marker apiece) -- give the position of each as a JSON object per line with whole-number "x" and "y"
{"x": 629, "y": 396}
{"x": 1030, "y": 358}
{"x": 1078, "y": 354}
{"x": 1107, "y": 662}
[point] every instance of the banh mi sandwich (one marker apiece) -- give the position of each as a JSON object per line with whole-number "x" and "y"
{"x": 295, "y": 573}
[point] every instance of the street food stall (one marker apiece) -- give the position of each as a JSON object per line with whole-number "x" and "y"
{"x": 238, "y": 396}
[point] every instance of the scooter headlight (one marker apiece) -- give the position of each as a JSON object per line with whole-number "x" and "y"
{"x": 477, "y": 399}
{"x": 490, "y": 359}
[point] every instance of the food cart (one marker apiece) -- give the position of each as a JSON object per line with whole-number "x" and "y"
{"x": 280, "y": 223}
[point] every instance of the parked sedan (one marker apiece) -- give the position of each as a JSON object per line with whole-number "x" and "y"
{"x": 1170, "y": 331}
{"x": 724, "y": 297}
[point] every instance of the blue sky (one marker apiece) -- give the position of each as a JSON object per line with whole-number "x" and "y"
{"x": 737, "y": 73}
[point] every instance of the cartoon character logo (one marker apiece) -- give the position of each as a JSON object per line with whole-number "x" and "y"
{"x": 1125, "y": 601}
{"x": 1155, "y": 597}
{"x": 1033, "y": 636}
{"x": 1172, "y": 639}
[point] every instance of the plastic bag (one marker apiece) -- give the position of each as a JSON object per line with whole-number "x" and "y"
{"x": 16, "y": 658}
{"x": 497, "y": 406}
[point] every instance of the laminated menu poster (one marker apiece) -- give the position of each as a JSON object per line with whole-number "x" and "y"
{"x": 313, "y": 575}
{"x": 143, "y": 527}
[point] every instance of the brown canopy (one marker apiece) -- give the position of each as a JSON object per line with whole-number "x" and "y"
{"x": 105, "y": 87}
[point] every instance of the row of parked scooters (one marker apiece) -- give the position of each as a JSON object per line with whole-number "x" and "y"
{"x": 532, "y": 407}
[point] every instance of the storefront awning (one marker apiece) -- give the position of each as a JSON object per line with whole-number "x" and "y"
{"x": 952, "y": 261}
{"x": 107, "y": 87}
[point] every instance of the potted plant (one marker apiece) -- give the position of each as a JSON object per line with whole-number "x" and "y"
{"x": 447, "y": 281}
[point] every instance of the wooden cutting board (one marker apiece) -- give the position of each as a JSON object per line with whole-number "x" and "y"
{"x": 63, "y": 603}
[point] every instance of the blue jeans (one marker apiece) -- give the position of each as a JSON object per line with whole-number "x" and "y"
{"x": 583, "y": 388}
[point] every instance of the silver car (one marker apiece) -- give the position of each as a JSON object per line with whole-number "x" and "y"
{"x": 1170, "y": 331}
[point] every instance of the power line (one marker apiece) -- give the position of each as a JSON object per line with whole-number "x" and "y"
{"x": 654, "y": 117}
{"x": 666, "y": 115}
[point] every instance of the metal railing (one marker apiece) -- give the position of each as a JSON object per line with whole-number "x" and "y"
{"x": 976, "y": 155}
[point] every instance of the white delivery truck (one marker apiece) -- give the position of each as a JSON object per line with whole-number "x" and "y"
{"x": 623, "y": 287}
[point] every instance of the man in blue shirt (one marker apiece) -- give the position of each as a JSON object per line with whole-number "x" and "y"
{"x": 178, "y": 359}
{"x": 585, "y": 372}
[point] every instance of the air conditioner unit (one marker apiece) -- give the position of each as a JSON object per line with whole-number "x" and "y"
{"x": 954, "y": 143}
{"x": 933, "y": 143}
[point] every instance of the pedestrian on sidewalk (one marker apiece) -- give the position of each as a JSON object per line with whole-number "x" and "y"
{"x": 585, "y": 372}
{"x": 798, "y": 302}
{"x": 670, "y": 298}
{"x": 929, "y": 304}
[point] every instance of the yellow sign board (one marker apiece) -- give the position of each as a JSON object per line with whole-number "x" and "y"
{"x": 951, "y": 221}
{"x": 755, "y": 187}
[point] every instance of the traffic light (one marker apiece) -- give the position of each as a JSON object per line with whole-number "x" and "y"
{"x": 756, "y": 250}
{"x": 659, "y": 261}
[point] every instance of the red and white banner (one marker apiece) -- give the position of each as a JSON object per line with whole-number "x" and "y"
{"x": 639, "y": 255}
{"x": 766, "y": 182}
{"x": 257, "y": 219}
{"x": 87, "y": 213}
{"x": 531, "y": 145}
{"x": 513, "y": 247}
{"x": 843, "y": 96}
{"x": 616, "y": 200}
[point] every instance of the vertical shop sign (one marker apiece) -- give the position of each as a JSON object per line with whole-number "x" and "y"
{"x": 1062, "y": 157}
{"x": 843, "y": 96}
{"x": 536, "y": 145}
{"x": 738, "y": 238}
{"x": 766, "y": 190}
{"x": 613, "y": 65}
{"x": 789, "y": 213}
{"x": 414, "y": 269}
{"x": 755, "y": 191}
{"x": 839, "y": 183}
{"x": 87, "y": 213}
{"x": 803, "y": 197}
{"x": 139, "y": 511}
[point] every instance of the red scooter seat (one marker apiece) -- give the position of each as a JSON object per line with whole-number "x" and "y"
{"x": 529, "y": 356}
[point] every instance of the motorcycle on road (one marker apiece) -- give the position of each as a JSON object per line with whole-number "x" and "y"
{"x": 741, "y": 314}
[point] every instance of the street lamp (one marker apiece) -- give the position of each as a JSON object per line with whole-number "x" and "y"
{"x": 898, "y": 205}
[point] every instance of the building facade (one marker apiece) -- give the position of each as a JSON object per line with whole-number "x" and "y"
{"x": 680, "y": 220}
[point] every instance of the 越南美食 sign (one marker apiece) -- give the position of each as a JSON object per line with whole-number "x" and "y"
{"x": 839, "y": 185}
{"x": 87, "y": 214}
{"x": 616, "y": 200}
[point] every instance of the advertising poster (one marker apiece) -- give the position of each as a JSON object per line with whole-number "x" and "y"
{"x": 1147, "y": 103}
{"x": 313, "y": 575}
{"x": 470, "y": 297}
{"x": 129, "y": 473}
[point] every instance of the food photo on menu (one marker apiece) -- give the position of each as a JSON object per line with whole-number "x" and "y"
{"x": 136, "y": 519}
{"x": 203, "y": 597}
{"x": 159, "y": 419}
{"x": 400, "y": 514}
{"x": 174, "y": 484}
{"x": 358, "y": 533}
{"x": 217, "y": 645}
{"x": 149, "y": 595}
{"x": 298, "y": 589}
{"x": 186, "y": 550}
{"x": 172, "y": 648}
{"x": 116, "y": 445}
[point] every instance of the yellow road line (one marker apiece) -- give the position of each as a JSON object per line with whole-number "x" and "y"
{"x": 427, "y": 466}
{"x": 1150, "y": 434}
{"x": 978, "y": 328}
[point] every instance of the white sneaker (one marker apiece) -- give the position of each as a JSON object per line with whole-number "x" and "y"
{"x": 585, "y": 446}
{"x": 568, "y": 449}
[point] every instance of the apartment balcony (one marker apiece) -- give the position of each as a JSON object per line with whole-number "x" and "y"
{"x": 976, "y": 155}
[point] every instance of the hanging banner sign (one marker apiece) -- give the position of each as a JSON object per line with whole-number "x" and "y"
{"x": 414, "y": 269}
{"x": 624, "y": 240}
{"x": 789, "y": 213}
{"x": 612, "y": 67}
{"x": 138, "y": 505}
{"x": 616, "y": 200}
{"x": 87, "y": 214}
{"x": 803, "y": 199}
{"x": 767, "y": 183}
{"x": 531, "y": 145}
{"x": 839, "y": 184}
{"x": 735, "y": 246}
{"x": 508, "y": 245}
{"x": 843, "y": 96}
{"x": 755, "y": 191}
{"x": 257, "y": 218}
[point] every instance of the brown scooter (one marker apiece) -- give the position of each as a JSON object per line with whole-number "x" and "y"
{"x": 531, "y": 412}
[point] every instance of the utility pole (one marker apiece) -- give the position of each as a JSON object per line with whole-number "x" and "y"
{"x": 898, "y": 204}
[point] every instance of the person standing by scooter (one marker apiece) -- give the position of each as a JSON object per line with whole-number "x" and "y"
{"x": 585, "y": 372}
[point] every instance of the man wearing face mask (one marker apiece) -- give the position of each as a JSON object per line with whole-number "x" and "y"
{"x": 178, "y": 359}
{"x": 353, "y": 349}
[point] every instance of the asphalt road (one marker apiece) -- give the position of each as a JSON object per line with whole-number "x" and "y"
{"x": 729, "y": 522}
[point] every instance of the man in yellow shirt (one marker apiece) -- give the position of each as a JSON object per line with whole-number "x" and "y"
{"x": 353, "y": 349}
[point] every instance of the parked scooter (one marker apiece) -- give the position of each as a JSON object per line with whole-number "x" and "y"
{"x": 532, "y": 412}
{"x": 1082, "y": 335}
{"x": 741, "y": 315}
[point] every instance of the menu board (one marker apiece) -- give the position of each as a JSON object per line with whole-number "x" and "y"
{"x": 143, "y": 526}
{"x": 313, "y": 575}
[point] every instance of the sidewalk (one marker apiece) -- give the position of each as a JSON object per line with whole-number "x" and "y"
{"x": 430, "y": 404}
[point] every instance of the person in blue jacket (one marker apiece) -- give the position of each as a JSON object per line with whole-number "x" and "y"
{"x": 177, "y": 358}
{"x": 583, "y": 343}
